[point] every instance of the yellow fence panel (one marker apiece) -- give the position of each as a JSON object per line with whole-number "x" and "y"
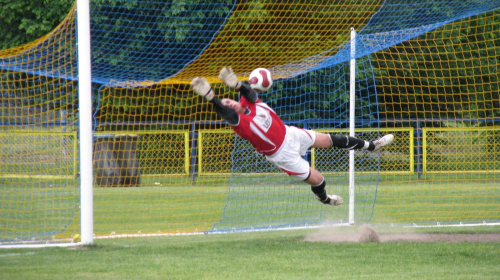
{"x": 160, "y": 152}
{"x": 461, "y": 149}
{"x": 38, "y": 154}
{"x": 214, "y": 151}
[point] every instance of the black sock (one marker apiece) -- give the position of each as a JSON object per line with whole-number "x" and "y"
{"x": 371, "y": 147}
{"x": 320, "y": 191}
{"x": 348, "y": 142}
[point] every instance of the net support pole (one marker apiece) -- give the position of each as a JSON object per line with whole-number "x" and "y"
{"x": 352, "y": 123}
{"x": 85, "y": 121}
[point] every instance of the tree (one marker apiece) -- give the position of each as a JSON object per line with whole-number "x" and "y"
{"x": 23, "y": 21}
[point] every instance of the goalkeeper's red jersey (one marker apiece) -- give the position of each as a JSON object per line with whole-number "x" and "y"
{"x": 261, "y": 126}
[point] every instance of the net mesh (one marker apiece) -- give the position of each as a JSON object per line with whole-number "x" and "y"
{"x": 427, "y": 72}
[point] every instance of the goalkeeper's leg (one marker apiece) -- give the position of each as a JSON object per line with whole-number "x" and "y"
{"x": 319, "y": 189}
{"x": 351, "y": 143}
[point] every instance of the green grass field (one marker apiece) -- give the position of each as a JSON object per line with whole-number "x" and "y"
{"x": 181, "y": 206}
{"x": 178, "y": 204}
{"x": 261, "y": 255}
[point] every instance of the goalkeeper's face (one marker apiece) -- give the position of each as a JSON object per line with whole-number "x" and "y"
{"x": 235, "y": 105}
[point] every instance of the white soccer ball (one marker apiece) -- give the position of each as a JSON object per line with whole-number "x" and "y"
{"x": 260, "y": 80}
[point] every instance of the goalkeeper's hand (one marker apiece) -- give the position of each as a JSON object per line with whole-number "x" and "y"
{"x": 202, "y": 88}
{"x": 227, "y": 75}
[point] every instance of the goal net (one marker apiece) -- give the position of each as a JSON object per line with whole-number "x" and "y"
{"x": 165, "y": 163}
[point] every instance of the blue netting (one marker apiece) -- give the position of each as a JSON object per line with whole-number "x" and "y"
{"x": 166, "y": 37}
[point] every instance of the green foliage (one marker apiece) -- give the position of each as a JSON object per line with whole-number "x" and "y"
{"x": 454, "y": 74}
{"x": 459, "y": 86}
{"x": 23, "y": 21}
{"x": 129, "y": 33}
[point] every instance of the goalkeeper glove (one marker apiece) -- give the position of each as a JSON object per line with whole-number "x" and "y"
{"x": 227, "y": 75}
{"x": 202, "y": 88}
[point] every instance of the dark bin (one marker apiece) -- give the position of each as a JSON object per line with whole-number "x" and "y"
{"x": 116, "y": 163}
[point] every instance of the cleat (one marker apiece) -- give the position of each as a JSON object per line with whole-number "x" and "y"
{"x": 333, "y": 200}
{"x": 382, "y": 142}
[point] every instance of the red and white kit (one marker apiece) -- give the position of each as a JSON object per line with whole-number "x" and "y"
{"x": 281, "y": 144}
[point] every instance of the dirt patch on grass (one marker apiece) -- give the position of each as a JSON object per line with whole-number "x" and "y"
{"x": 367, "y": 234}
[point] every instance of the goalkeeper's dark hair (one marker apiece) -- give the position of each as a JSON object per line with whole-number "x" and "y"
{"x": 227, "y": 113}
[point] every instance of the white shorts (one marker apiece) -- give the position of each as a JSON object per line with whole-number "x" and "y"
{"x": 289, "y": 156}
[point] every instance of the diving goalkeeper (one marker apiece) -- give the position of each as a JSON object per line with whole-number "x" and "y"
{"x": 282, "y": 145}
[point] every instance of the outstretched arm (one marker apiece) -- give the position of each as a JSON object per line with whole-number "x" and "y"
{"x": 227, "y": 75}
{"x": 203, "y": 88}
{"x": 225, "y": 112}
{"x": 248, "y": 92}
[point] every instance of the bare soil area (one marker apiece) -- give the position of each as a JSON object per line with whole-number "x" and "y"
{"x": 366, "y": 233}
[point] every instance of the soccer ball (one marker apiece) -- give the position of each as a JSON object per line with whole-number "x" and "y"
{"x": 260, "y": 80}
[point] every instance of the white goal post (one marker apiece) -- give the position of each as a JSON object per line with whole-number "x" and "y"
{"x": 352, "y": 123}
{"x": 85, "y": 108}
